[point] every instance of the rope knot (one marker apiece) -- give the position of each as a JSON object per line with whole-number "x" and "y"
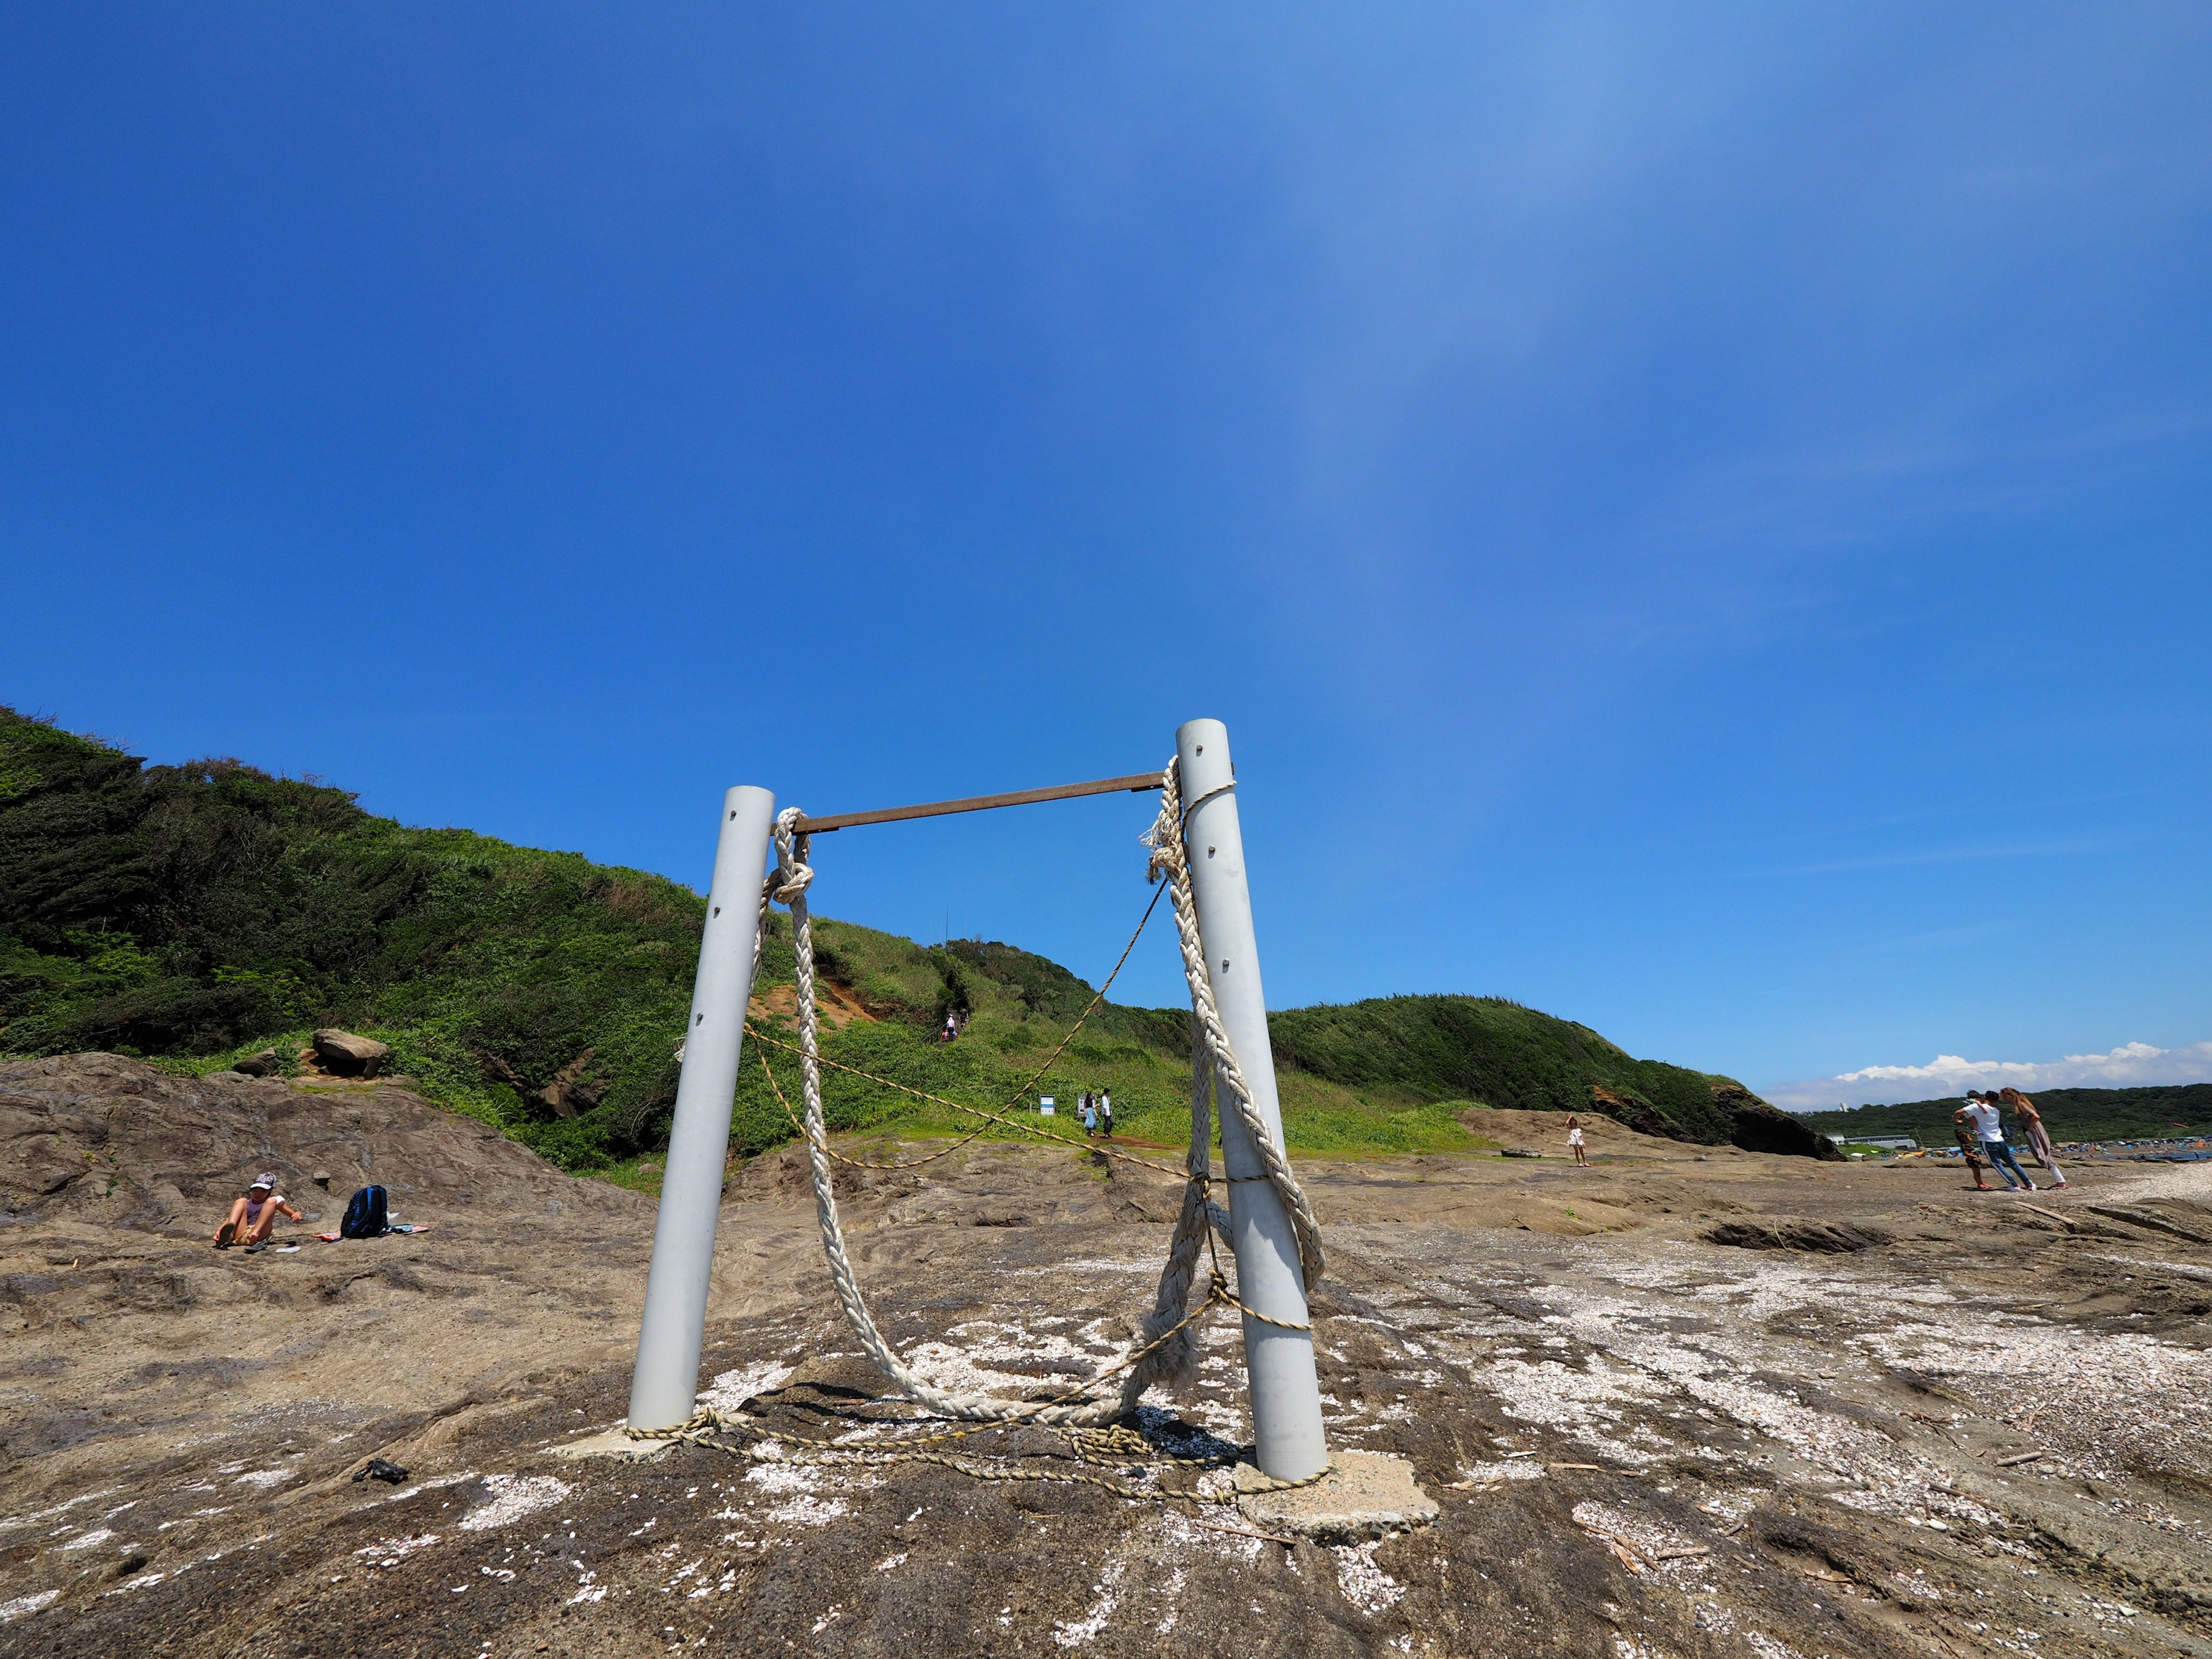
{"x": 792, "y": 876}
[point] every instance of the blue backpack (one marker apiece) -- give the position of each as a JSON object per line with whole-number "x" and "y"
{"x": 365, "y": 1215}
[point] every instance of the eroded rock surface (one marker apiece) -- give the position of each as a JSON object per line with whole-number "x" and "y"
{"x": 1987, "y": 1435}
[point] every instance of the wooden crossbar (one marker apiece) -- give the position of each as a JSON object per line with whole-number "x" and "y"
{"x": 1135, "y": 784}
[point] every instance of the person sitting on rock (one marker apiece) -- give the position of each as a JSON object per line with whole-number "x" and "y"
{"x": 252, "y": 1217}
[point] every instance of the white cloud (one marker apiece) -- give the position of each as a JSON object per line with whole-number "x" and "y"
{"x": 2131, "y": 1063}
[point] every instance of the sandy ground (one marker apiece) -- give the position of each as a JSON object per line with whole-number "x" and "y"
{"x": 1965, "y": 1424}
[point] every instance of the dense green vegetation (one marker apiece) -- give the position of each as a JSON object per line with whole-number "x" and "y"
{"x": 1485, "y": 1048}
{"x": 195, "y": 913}
{"x": 202, "y": 911}
{"x": 2150, "y": 1113}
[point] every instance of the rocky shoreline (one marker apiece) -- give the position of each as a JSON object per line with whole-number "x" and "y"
{"x": 1659, "y": 1413}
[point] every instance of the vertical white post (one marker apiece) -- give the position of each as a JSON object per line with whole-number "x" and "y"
{"x": 1278, "y": 1363}
{"x": 665, "y": 1386}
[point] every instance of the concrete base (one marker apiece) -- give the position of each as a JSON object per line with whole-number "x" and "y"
{"x": 1367, "y": 1495}
{"x": 614, "y": 1442}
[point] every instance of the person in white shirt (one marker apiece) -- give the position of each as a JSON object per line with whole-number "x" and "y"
{"x": 1980, "y": 1113}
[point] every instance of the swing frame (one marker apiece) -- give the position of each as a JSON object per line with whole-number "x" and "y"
{"x": 1284, "y": 1385}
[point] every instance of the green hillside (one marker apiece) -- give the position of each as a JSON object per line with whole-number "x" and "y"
{"x": 2150, "y": 1113}
{"x": 1488, "y": 1050}
{"x": 195, "y": 913}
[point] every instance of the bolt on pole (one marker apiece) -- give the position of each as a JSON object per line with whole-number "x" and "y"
{"x": 1278, "y": 1363}
{"x": 665, "y": 1386}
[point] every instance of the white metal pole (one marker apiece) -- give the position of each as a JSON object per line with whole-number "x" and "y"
{"x": 665, "y": 1386}
{"x": 1280, "y": 1362}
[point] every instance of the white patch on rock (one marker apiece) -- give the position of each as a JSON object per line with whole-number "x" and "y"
{"x": 782, "y": 1478}
{"x": 1519, "y": 1468}
{"x": 64, "y": 1508}
{"x": 729, "y": 1391}
{"x": 962, "y": 1361}
{"x": 390, "y": 1551}
{"x": 1092, "y": 1265}
{"x": 1106, "y": 1596}
{"x": 2099, "y": 1392}
{"x": 1363, "y": 1583}
{"x": 23, "y": 1604}
{"x": 1562, "y": 1397}
{"x": 512, "y": 1497}
{"x": 807, "y": 1510}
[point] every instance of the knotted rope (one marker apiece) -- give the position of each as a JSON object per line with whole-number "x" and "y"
{"x": 1164, "y": 1349}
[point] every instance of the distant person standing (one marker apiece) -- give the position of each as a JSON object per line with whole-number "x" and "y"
{"x": 1090, "y": 1115}
{"x": 2032, "y": 1129}
{"x": 1574, "y": 1139}
{"x": 1981, "y": 1113}
{"x": 1106, "y": 1114}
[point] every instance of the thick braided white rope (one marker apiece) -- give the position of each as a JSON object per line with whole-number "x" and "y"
{"x": 789, "y": 886}
{"x": 1170, "y": 857}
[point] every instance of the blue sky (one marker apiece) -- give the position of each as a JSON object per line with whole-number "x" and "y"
{"x": 1696, "y": 522}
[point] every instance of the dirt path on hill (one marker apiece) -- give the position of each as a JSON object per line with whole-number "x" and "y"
{"x": 1895, "y": 1417}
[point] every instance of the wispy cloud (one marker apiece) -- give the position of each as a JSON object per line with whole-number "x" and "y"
{"x": 2024, "y": 808}
{"x": 1954, "y": 1074}
{"x": 1934, "y": 939}
{"x": 1956, "y": 855}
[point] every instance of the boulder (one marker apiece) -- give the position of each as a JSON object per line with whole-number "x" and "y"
{"x": 1760, "y": 1127}
{"x": 260, "y": 1065}
{"x": 1792, "y": 1232}
{"x": 348, "y": 1055}
{"x": 571, "y": 1092}
{"x": 496, "y": 1070}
